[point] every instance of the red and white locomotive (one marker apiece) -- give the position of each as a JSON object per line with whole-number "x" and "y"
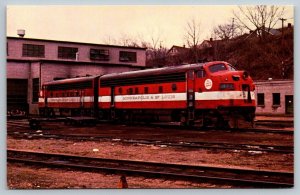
{"x": 203, "y": 93}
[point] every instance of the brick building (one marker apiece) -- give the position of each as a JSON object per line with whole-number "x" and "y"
{"x": 275, "y": 97}
{"x": 31, "y": 62}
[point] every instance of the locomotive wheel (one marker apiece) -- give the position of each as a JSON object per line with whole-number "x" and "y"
{"x": 101, "y": 115}
{"x": 190, "y": 123}
{"x": 221, "y": 123}
{"x": 51, "y": 113}
{"x": 42, "y": 112}
{"x": 183, "y": 121}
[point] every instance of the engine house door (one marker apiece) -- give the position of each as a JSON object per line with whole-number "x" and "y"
{"x": 289, "y": 104}
{"x": 190, "y": 96}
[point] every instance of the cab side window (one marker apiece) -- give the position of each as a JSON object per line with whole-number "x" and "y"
{"x": 201, "y": 74}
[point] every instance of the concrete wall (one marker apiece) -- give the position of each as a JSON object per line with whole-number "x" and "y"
{"x": 284, "y": 87}
{"x": 49, "y": 67}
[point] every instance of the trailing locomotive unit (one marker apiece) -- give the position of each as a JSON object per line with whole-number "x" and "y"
{"x": 212, "y": 92}
{"x": 69, "y": 97}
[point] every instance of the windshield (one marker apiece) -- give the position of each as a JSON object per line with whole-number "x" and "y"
{"x": 217, "y": 68}
{"x": 231, "y": 68}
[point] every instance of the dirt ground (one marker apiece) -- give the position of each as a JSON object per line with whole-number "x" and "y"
{"x": 24, "y": 177}
{"x": 20, "y": 176}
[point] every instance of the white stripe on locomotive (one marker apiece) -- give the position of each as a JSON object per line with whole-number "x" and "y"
{"x": 71, "y": 99}
{"x": 213, "y": 95}
{"x": 41, "y": 100}
{"x": 146, "y": 97}
{"x": 224, "y": 95}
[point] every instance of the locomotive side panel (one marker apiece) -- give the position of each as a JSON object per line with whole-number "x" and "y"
{"x": 151, "y": 96}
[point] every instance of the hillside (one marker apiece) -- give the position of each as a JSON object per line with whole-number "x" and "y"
{"x": 270, "y": 57}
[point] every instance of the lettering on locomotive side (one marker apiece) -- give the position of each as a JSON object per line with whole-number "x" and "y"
{"x": 140, "y": 97}
{"x": 151, "y": 97}
{"x": 169, "y": 97}
{"x": 147, "y": 97}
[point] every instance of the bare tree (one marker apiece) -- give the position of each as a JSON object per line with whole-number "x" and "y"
{"x": 192, "y": 36}
{"x": 224, "y": 31}
{"x": 109, "y": 40}
{"x": 127, "y": 40}
{"x": 260, "y": 17}
{"x": 227, "y": 31}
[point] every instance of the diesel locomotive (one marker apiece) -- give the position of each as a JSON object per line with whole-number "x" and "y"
{"x": 203, "y": 93}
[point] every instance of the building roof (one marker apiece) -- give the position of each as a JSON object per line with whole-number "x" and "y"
{"x": 178, "y": 49}
{"x": 273, "y": 81}
{"x": 79, "y": 43}
{"x": 70, "y": 62}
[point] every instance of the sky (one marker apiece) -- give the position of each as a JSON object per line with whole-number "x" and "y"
{"x": 112, "y": 24}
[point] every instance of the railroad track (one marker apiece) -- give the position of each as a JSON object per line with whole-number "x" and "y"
{"x": 23, "y": 124}
{"x": 17, "y": 125}
{"x": 173, "y": 126}
{"x": 181, "y": 144}
{"x": 232, "y": 176}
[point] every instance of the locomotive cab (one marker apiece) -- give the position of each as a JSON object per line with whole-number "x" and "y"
{"x": 227, "y": 93}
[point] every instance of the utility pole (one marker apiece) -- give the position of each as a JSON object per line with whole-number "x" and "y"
{"x": 232, "y": 28}
{"x": 282, "y": 63}
{"x": 282, "y": 21}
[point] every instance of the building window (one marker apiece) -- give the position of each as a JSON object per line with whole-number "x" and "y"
{"x": 35, "y": 90}
{"x": 276, "y": 99}
{"x": 30, "y": 50}
{"x": 67, "y": 52}
{"x": 99, "y": 54}
{"x": 126, "y": 56}
{"x": 260, "y": 99}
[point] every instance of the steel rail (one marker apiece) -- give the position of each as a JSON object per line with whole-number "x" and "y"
{"x": 182, "y": 144}
{"x": 240, "y": 177}
{"x": 178, "y": 127}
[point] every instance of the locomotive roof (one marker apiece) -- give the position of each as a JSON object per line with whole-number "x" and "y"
{"x": 153, "y": 72}
{"x": 71, "y": 80}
